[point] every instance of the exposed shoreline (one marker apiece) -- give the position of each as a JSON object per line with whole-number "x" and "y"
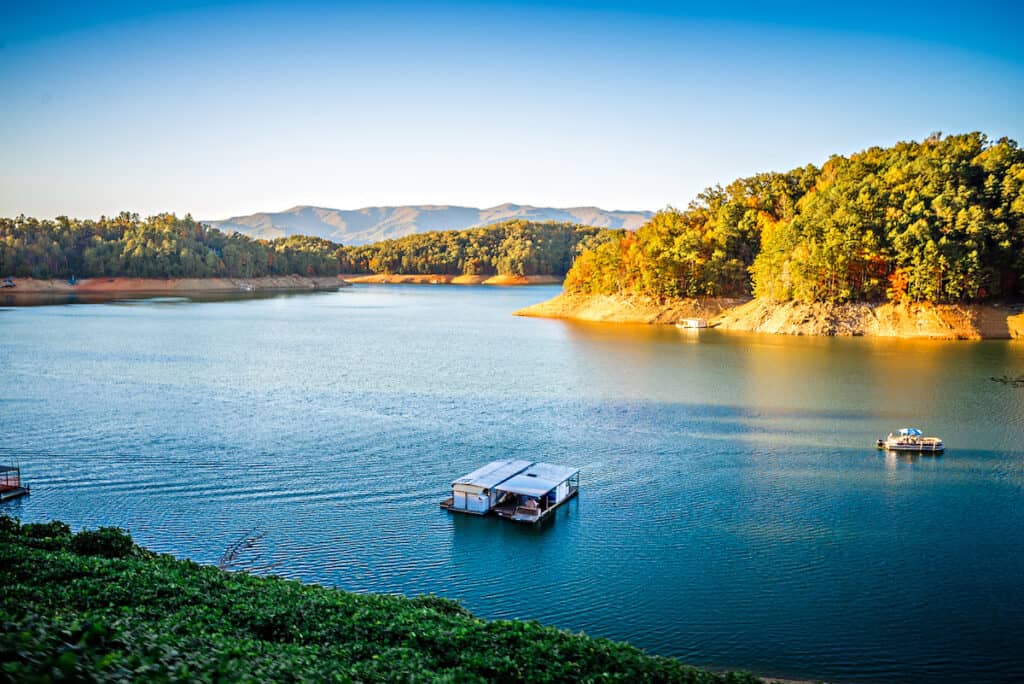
{"x": 120, "y": 285}
{"x": 443, "y": 279}
{"x": 905, "y": 321}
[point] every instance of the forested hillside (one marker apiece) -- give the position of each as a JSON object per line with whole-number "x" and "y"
{"x": 940, "y": 221}
{"x": 511, "y": 248}
{"x": 158, "y": 247}
{"x": 166, "y": 246}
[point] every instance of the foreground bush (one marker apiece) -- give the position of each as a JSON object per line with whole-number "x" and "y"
{"x": 95, "y": 607}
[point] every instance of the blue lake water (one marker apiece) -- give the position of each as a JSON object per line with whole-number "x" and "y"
{"x": 733, "y": 509}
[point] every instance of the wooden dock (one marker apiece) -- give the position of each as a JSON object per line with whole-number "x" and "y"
{"x": 11, "y": 486}
{"x": 12, "y": 493}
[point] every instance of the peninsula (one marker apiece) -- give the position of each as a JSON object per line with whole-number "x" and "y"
{"x": 922, "y": 239}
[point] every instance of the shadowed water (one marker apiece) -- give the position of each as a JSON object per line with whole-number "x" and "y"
{"x": 733, "y": 510}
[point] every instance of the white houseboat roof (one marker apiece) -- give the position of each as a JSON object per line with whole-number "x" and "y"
{"x": 493, "y": 473}
{"x": 538, "y": 479}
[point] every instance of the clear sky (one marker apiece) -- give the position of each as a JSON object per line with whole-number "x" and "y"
{"x": 220, "y": 109}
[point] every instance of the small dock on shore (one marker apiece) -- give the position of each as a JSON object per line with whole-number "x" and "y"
{"x": 11, "y": 486}
{"x": 517, "y": 490}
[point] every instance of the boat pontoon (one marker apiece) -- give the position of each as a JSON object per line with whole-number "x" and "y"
{"x": 913, "y": 440}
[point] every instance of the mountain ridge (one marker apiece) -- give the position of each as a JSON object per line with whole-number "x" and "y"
{"x": 372, "y": 224}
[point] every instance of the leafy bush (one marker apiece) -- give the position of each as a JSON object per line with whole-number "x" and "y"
{"x": 53, "y": 529}
{"x": 109, "y": 542}
{"x": 139, "y": 616}
{"x": 53, "y": 536}
{"x": 9, "y": 525}
{"x": 440, "y": 604}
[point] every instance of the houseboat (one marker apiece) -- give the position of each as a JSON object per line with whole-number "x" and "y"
{"x": 517, "y": 490}
{"x": 11, "y": 486}
{"x": 692, "y": 323}
{"x": 913, "y": 440}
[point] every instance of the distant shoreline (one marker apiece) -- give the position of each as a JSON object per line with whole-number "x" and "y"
{"x": 904, "y": 321}
{"x": 443, "y": 279}
{"x": 120, "y": 285}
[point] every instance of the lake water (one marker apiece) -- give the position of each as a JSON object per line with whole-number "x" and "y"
{"x": 733, "y": 509}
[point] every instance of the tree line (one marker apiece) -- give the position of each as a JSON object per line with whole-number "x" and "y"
{"x": 940, "y": 220}
{"x": 515, "y": 247}
{"x": 162, "y": 246}
{"x": 165, "y": 246}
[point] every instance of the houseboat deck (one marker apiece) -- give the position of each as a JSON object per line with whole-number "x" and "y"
{"x": 518, "y": 513}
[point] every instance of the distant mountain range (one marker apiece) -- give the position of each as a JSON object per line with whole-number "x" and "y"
{"x": 363, "y": 226}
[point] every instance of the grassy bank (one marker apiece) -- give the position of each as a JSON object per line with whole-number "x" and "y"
{"x": 93, "y": 606}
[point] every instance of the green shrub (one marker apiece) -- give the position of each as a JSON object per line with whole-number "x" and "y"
{"x": 441, "y": 605}
{"x": 113, "y": 612}
{"x": 49, "y": 530}
{"x": 51, "y": 536}
{"x": 109, "y": 542}
{"x": 9, "y": 525}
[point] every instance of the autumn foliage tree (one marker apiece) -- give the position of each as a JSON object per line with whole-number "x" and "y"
{"x": 940, "y": 220}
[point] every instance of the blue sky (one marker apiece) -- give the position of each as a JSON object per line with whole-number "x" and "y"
{"x": 227, "y": 108}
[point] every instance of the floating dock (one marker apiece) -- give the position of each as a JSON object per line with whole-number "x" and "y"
{"x": 517, "y": 490}
{"x": 11, "y": 486}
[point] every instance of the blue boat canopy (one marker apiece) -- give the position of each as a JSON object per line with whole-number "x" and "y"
{"x": 911, "y": 432}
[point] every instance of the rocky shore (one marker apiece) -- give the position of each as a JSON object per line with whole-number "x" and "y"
{"x": 919, "y": 321}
